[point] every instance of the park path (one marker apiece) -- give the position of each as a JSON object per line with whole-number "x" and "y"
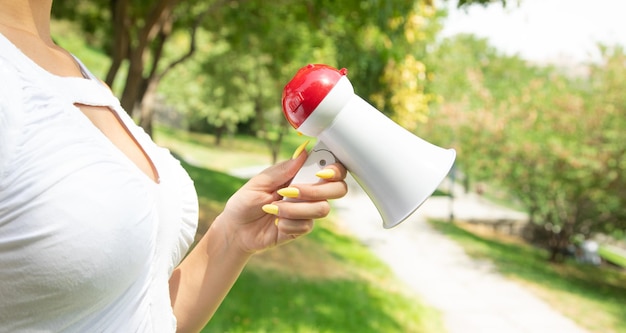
{"x": 471, "y": 295}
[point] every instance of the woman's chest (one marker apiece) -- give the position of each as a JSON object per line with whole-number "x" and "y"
{"x": 75, "y": 213}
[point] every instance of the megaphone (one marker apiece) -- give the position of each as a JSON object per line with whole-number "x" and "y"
{"x": 397, "y": 169}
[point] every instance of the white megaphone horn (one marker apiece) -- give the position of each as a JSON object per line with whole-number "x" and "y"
{"x": 397, "y": 169}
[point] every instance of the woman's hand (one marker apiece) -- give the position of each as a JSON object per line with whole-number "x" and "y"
{"x": 256, "y": 218}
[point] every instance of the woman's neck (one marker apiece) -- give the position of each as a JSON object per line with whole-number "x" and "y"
{"x": 26, "y": 23}
{"x": 31, "y": 16}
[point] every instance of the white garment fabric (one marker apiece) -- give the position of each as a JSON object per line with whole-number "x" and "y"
{"x": 87, "y": 240}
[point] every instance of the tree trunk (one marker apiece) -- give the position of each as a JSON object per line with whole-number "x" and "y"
{"x": 219, "y": 132}
{"x": 132, "y": 87}
{"x": 558, "y": 243}
{"x": 260, "y": 118}
{"x": 161, "y": 11}
{"x": 148, "y": 105}
{"x": 158, "y": 24}
{"x": 275, "y": 147}
{"x": 119, "y": 49}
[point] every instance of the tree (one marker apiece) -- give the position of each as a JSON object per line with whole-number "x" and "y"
{"x": 136, "y": 32}
{"x": 266, "y": 43}
{"x": 403, "y": 93}
{"x": 606, "y": 105}
{"x": 552, "y": 141}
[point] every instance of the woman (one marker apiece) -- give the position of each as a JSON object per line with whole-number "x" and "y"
{"x": 95, "y": 218}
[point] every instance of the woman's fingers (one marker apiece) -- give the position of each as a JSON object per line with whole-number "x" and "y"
{"x": 308, "y": 201}
{"x": 301, "y": 210}
{"x": 315, "y": 192}
{"x": 332, "y": 186}
{"x": 278, "y": 174}
{"x": 294, "y": 227}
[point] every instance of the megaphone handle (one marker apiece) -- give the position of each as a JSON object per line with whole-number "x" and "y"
{"x": 319, "y": 157}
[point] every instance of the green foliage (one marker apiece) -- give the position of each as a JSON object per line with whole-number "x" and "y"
{"x": 223, "y": 96}
{"x": 246, "y": 55}
{"x": 466, "y": 3}
{"x": 404, "y": 91}
{"x": 257, "y": 46}
{"x": 254, "y": 47}
{"x": 93, "y": 18}
{"x": 549, "y": 139}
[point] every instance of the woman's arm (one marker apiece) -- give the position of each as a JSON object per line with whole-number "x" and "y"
{"x": 200, "y": 283}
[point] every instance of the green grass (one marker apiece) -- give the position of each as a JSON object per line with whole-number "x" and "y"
{"x": 594, "y": 297}
{"x": 234, "y": 152}
{"x": 612, "y": 255}
{"x": 325, "y": 282}
{"x": 213, "y": 185}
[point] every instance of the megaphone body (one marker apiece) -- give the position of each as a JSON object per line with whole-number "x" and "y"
{"x": 397, "y": 169}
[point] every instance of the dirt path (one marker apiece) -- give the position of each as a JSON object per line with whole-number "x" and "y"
{"x": 472, "y": 297}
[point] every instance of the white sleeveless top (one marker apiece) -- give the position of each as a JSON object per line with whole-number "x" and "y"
{"x": 87, "y": 240}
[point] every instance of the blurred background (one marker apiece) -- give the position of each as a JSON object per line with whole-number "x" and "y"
{"x": 530, "y": 94}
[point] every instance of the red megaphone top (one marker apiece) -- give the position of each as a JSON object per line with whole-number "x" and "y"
{"x": 307, "y": 89}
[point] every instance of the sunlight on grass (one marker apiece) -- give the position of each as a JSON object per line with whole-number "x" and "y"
{"x": 206, "y": 154}
{"x": 322, "y": 283}
{"x": 234, "y": 152}
{"x": 594, "y": 297}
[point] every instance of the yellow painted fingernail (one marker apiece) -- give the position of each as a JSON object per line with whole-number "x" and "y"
{"x": 270, "y": 209}
{"x": 299, "y": 150}
{"x": 326, "y": 173}
{"x": 289, "y": 192}
{"x": 276, "y": 222}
